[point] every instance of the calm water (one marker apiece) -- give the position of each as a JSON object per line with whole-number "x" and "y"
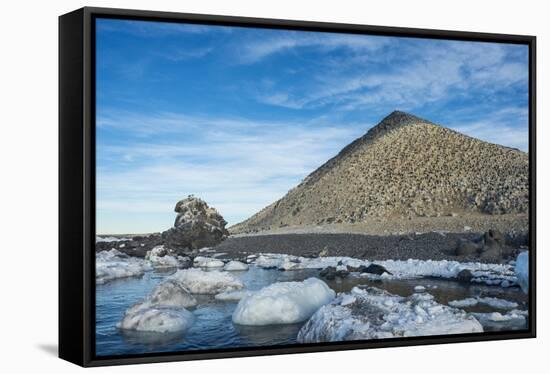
{"x": 213, "y": 327}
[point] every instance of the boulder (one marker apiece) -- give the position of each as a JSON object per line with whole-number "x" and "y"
{"x": 375, "y": 269}
{"x": 196, "y": 226}
{"x": 464, "y": 276}
{"x": 331, "y": 272}
{"x": 466, "y": 247}
{"x": 328, "y": 273}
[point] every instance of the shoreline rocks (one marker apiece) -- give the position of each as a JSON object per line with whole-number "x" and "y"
{"x": 197, "y": 225}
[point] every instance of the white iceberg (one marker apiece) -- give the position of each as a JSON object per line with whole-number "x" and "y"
{"x": 157, "y": 319}
{"x": 283, "y": 303}
{"x": 233, "y": 295}
{"x": 490, "y": 301}
{"x": 198, "y": 281}
{"x": 235, "y": 266}
{"x": 377, "y": 314}
{"x": 114, "y": 264}
{"x": 522, "y": 271}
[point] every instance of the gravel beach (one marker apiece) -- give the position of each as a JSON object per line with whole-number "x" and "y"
{"x": 427, "y": 246}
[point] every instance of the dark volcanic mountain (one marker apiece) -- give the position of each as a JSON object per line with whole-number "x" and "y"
{"x": 404, "y": 167}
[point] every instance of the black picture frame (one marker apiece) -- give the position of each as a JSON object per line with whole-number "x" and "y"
{"x": 77, "y": 184}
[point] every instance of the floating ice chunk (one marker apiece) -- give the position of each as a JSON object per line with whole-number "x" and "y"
{"x": 198, "y": 281}
{"x": 159, "y": 257}
{"x": 464, "y": 303}
{"x": 514, "y": 319}
{"x": 233, "y": 295}
{"x": 207, "y": 262}
{"x": 269, "y": 261}
{"x": 419, "y": 288}
{"x": 347, "y": 300}
{"x": 377, "y": 314}
{"x": 157, "y": 319}
{"x": 114, "y": 264}
{"x": 492, "y": 274}
{"x": 490, "y": 301}
{"x": 283, "y": 303}
{"x": 235, "y": 266}
{"x": 171, "y": 293}
{"x": 291, "y": 265}
{"x": 522, "y": 271}
{"x": 162, "y": 311}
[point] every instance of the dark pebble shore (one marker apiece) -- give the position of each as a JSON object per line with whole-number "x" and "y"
{"x": 428, "y": 246}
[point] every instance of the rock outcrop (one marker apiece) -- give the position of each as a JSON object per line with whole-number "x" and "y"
{"x": 403, "y": 168}
{"x": 197, "y": 225}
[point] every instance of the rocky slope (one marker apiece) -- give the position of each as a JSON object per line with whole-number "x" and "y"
{"x": 404, "y": 167}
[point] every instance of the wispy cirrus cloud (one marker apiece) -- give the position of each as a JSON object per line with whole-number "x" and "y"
{"x": 512, "y": 124}
{"x": 257, "y": 50}
{"x": 148, "y": 29}
{"x": 422, "y": 75}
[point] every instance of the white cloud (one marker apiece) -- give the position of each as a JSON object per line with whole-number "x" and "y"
{"x": 255, "y": 51}
{"x": 237, "y": 166}
{"x": 509, "y": 127}
{"x": 424, "y": 73}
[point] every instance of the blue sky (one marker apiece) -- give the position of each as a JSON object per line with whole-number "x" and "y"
{"x": 238, "y": 116}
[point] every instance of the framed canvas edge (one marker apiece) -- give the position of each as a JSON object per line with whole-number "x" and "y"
{"x": 87, "y": 266}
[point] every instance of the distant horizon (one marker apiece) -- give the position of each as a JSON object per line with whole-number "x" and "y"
{"x": 238, "y": 116}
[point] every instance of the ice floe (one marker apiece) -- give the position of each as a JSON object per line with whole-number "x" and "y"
{"x": 207, "y": 262}
{"x": 491, "y": 274}
{"x": 159, "y": 257}
{"x": 490, "y": 301}
{"x": 377, "y": 314}
{"x": 233, "y": 295}
{"x": 157, "y": 319}
{"x": 522, "y": 271}
{"x": 108, "y": 239}
{"x": 198, "y": 281}
{"x": 162, "y": 311}
{"x": 514, "y": 319}
{"x": 235, "y": 266}
{"x": 283, "y": 303}
{"x": 114, "y": 264}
